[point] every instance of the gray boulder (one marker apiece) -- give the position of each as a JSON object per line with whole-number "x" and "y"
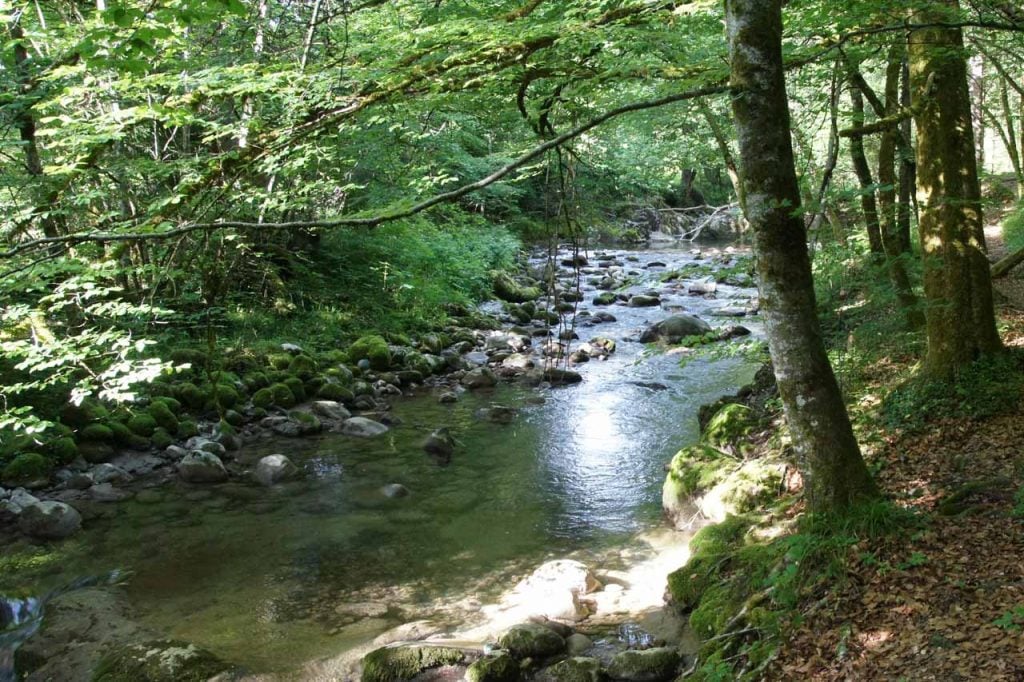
{"x": 274, "y": 469}
{"x": 329, "y": 409}
{"x": 15, "y": 501}
{"x": 361, "y": 427}
{"x": 49, "y": 520}
{"x": 440, "y": 444}
{"x": 480, "y": 377}
{"x": 200, "y": 466}
{"x": 394, "y": 490}
{"x": 108, "y": 473}
{"x": 674, "y": 329}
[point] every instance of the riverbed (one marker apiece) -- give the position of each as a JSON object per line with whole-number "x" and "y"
{"x": 272, "y": 578}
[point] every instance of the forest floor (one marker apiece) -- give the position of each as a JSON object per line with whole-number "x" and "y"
{"x": 945, "y": 600}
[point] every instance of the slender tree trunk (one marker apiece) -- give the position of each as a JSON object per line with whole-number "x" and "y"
{"x": 977, "y": 90}
{"x": 908, "y": 166}
{"x": 835, "y": 474}
{"x": 863, "y": 171}
{"x": 820, "y": 207}
{"x": 887, "y": 209}
{"x": 957, "y": 284}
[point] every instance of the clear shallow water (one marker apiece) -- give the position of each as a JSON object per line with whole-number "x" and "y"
{"x": 256, "y": 575}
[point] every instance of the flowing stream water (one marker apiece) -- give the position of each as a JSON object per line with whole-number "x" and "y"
{"x": 257, "y": 575}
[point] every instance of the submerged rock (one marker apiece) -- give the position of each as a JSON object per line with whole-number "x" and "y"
{"x": 394, "y": 491}
{"x": 480, "y": 377}
{"x": 577, "y": 669}
{"x": 49, "y": 520}
{"x": 162, "y": 660}
{"x": 440, "y": 444}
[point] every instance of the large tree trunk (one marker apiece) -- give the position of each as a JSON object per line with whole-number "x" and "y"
{"x": 835, "y": 474}
{"x": 863, "y": 170}
{"x": 957, "y": 284}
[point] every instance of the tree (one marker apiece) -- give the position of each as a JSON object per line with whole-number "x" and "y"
{"x": 835, "y": 473}
{"x": 961, "y": 323}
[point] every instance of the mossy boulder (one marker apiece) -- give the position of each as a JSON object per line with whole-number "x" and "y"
{"x": 692, "y": 471}
{"x": 196, "y": 359}
{"x": 719, "y": 538}
{"x": 97, "y": 433}
{"x": 687, "y": 583}
{"x": 372, "y": 348}
{"x": 187, "y": 428}
{"x": 496, "y": 667}
{"x": 279, "y": 361}
{"x": 577, "y": 669}
{"x": 26, "y": 468}
{"x": 416, "y": 362}
{"x": 507, "y": 289}
{"x": 398, "y": 663}
{"x": 191, "y": 395}
{"x": 717, "y": 606}
{"x": 341, "y": 374}
{"x": 337, "y": 392}
{"x": 605, "y": 298}
{"x": 234, "y": 418}
{"x": 264, "y": 397}
{"x": 79, "y": 416}
{"x": 159, "y": 661}
{"x": 297, "y": 388}
{"x": 256, "y": 380}
{"x": 161, "y": 438}
{"x": 308, "y": 423}
{"x": 303, "y": 367}
{"x": 532, "y": 640}
{"x": 650, "y": 665}
{"x": 62, "y": 450}
{"x": 224, "y": 396}
{"x": 142, "y": 424}
{"x": 730, "y": 426}
{"x": 170, "y": 403}
{"x": 277, "y": 394}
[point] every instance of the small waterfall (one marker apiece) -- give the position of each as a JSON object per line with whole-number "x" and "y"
{"x": 21, "y": 618}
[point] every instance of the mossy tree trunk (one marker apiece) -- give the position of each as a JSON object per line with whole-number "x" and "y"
{"x": 835, "y": 474}
{"x": 957, "y": 284}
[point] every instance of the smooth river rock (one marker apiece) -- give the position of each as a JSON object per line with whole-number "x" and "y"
{"x": 200, "y": 466}
{"x": 274, "y": 469}
{"x": 361, "y": 427}
{"x": 49, "y": 520}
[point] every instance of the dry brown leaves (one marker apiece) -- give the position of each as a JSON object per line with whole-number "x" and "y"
{"x": 924, "y": 608}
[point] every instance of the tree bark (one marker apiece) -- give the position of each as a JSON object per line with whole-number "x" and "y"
{"x": 957, "y": 283}
{"x": 834, "y": 472}
{"x": 863, "y": 171}
{"x": 887, "y": 209}
{"x": 908, "y": 166}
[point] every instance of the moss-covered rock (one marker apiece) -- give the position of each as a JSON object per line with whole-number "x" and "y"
{"x": 169, "y": 402}
{"x": 399, "y": 663}
{"x": 719, "y": 538}
{"x": 297, "y": 388}
{"x": 142, "y": 424}
{"x": 191, "y": 395}
{"x": 303, "y": 367}
{"x": 531, "y": 640}
{"x": 62, "y": 450}
{"x": 279, "y": 361}
{"x": 341, "y": 374}
{"x": 687, "y": 583}
{"x": 158, "y": 661}
{"x": 89, "y": 411}
{"x": 187, "y": 428}
{"x": 234, "y": 418}
{"x": 97, "y": 433}
{"x": 224, "y": 395}
{"x": 717, "y": 606}
{"x": 649, "y": 665}
{"x": 730, "y": 426}
{"x": 196, "y": 359}
{"x": 308, "y": 423}
{"x": 418, "y": 363}
{"x": 507, "y": 289}
{"x": 333, "y": 391}
{"x": 692, "y": 471}
{"x": 264, "y": 397}
{"x": 578, "y": 669}
{"x": 161, "y": 438}
{"x": 256, "y": 380}
{"x": 497, "y": 667}
{"x": 25, "y": 468}
{"x": 372, "y": 348}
